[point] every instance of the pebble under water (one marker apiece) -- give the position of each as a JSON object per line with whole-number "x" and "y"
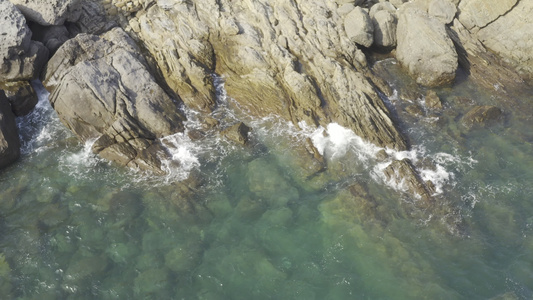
{"x": 250, "y": 225}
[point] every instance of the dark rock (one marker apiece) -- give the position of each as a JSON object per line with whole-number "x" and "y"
{"x": 51, "y": 36}
{"x": 9, "y": 138}
{"x": 21, "y": 96}
{"x": 101, "y": 89}
{"x": 237, "y": 133}
{"x": 481, "y": 116}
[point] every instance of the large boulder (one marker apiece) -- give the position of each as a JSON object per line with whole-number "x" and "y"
{"x": 49, "y": 12}
{"x": 101, "y": 89}
{"x": 385, "y": 24}
{"x": 359, "y": 27}
{"x": 9, "y": 138}
{"x": 424, "y": 47}
{"x": 21, "y": 58}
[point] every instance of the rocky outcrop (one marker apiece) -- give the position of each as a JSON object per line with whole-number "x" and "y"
{"x": 283, "y": 59}
{"x": 49, "y": 12}
{"x": 424, "y": 47}
{"x": 22, "y": 58}
{"x": 9, "y": 139}
{"x": 102, "y": 91}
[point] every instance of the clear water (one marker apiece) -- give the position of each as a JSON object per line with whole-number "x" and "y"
{"x": 254, "y": 226}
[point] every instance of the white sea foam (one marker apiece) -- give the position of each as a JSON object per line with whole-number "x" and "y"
{"x": 335, "y": 141}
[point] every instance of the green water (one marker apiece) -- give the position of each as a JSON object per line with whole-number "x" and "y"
{"x": 253, "y": 227}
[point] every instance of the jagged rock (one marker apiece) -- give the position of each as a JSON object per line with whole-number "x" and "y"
{"x": 403, "y": 174}
{"x": 424, "y": 47}
{"x": 481, "y": 115}
{"x": 511, "y": 37}
{"x": 385, "y": 24}
{"x": 22, "y": 58}
{"x": 387, "y": 6}
{"x": 51, "y": 36}
{"x": 432, "y": 100}
{"x": 9, "y": 139}
{"x": 237, "y": 133}
{"x": 359, "y": 27}
{"x": 444, "y": 10}
{"x": 49, "y": 12}
{"x": 102, "y": 90}
{"x": 479, "y": 13}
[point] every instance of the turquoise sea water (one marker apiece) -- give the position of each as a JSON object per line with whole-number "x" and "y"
{"x": 252, "y": 226}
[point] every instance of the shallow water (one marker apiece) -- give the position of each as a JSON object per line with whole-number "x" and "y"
{"x": 73, "y": 226}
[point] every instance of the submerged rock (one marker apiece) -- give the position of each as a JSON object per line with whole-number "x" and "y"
{"x": 481, "y": 116}
{"x": 101, "y": 89}
{"x": 9, "y": 139}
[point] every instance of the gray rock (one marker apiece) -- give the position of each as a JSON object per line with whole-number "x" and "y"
{"x": 22, "y": 58}
{"x": 479, "y": 13}
{"x": 21, "y": 96}
{"x": 444, "y": 10}
{"x": 385, "y": 24}
{"x": 359, "y": 27}
{"x": 9, "y": 138}
{"x": 51, "y": 36}
{"x": 480, "y": 116}
{"x": 102, "y": 90}
{"x": 425, "y": 48}
{"x": 49, "y": 12}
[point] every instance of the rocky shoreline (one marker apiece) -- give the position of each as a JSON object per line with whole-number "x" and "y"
{"x": 119, "y": 71}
